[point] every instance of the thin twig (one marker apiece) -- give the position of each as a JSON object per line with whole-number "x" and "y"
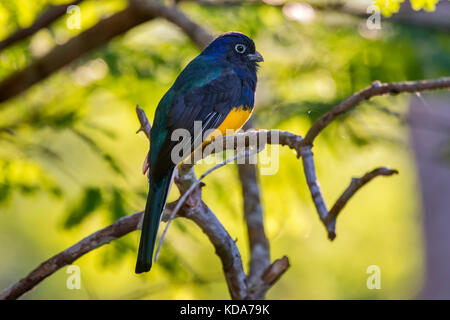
{"x": 146, "y": 128}
{"x": 355, "y": 185}
{"x": 143, "y": 120}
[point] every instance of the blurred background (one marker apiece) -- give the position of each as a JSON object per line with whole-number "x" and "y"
{"x": 70, "y": 161}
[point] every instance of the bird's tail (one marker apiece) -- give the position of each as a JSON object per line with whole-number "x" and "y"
{"x": 156, "y": 200}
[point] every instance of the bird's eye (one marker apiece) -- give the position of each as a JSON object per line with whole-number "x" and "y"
{"x": 240, "y": 48}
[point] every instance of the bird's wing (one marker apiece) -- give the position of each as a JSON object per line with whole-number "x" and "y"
{"x": 208, "y": 99}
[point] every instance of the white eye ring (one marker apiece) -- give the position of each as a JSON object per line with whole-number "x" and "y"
{"x": 240, "y": 48}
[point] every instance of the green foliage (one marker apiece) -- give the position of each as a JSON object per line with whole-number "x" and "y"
{"x": 87, "y": 204}
{"x": 117, "y": 206}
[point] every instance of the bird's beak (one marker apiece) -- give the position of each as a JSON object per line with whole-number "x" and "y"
{"x": 255, "y": 57}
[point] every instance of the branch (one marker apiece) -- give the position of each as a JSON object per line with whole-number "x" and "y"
{"x": 328, "y": 218}
{"x": 44, "y": 20}
{"x": 376, "y": 89}
{"x": 104, "y": 236}
{"x": 146, "y": 128}
{"x": 143, "y": 120}
{"x": 138, "y": 12}
{"x": 224, "y": 245}
{"x": 275, "y": 271}
{"x": 199, "y": 35}
{"x": 355, "y": 185}
{"x": 253, "y": 214}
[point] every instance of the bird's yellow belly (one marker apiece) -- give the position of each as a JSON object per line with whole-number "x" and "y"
{"x": 233, "y": 122}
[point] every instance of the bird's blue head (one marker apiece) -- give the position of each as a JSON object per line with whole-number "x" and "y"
{"x": 236, "y": 48}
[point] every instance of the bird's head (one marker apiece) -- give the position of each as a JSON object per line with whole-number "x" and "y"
{"x": 236, "y": 48}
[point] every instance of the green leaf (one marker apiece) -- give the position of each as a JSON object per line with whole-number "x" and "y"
{"x": 89, "y": 202}
{"x": 117, "y": 207}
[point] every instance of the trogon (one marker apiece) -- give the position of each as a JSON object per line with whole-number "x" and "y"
{"x": 217, "y": 88}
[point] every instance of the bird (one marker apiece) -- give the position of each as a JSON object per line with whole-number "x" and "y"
{"x": 216, "y": 88}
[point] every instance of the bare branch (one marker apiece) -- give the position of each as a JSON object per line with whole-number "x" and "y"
{"x": 260, "y": 137}
{"x": 355, "y": 185}
{"x": 145, "y": 124}
{"x": 275, "y": 271}
{"x": 258, "y": 288}
{"x": 313, "y": 183}
{"x": 146, "y": 128}
{"x": 376, "y": 89}
{"x": 253, "y": 214}
{"x": 104, "y": 236}
{"x": 328, "y": 218}
{"x": 138, "y": 12}
{"x": 50, "y": 15}
{"x": 199, "y": 35}
{"x": 224, "y": 245}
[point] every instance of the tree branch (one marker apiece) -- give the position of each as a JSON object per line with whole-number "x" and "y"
{"x": 328, "y": 218}
{"x": 275, "y": 271}
{"x": 224, "y": 245}
{"x": 376, "y": 89}
{"x": 104, "y": 236}
{"x": 253, "y": 214}
{"x": 355, "y": 185}
{"x": 138, "y": 11}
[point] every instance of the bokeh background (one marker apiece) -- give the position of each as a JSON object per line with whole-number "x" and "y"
{"x": 70, "y": 161}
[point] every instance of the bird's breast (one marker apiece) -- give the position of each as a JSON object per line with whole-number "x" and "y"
{"x": 235, "y": 119}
